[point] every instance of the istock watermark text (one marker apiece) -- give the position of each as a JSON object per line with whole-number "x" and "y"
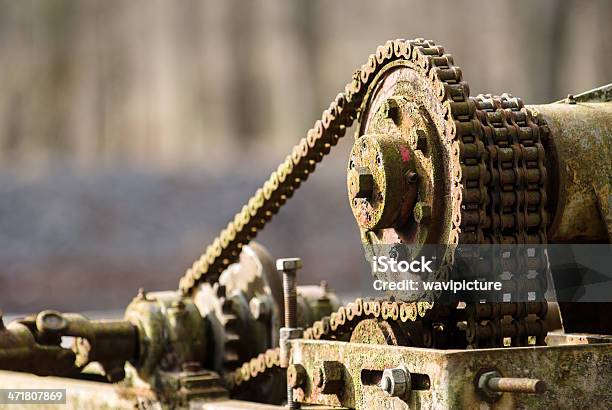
{"x": 384, "y": 264}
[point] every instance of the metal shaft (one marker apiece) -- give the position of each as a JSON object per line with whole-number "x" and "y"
{"x": 289, "y": 267}
{"x": 290, "y": 298}
{"x": 492, "y": 385}
{"x": 516, "y": 385}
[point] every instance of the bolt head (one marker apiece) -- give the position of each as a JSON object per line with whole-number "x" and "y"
{"x": 288, "y": 264}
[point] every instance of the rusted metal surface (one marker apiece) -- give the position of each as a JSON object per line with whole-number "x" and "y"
{"x": 289, "y": 268}
{"x": 418, "y": 143}
{"x": 21, "y": 352}
{"x": 243, "y": 310}
{"x": 448, "y": 379}
{"x": 448, "y": 168}
{"x": 581, "y": 139}
{"x": 339, "y": 325}
{"x": 478, "y": 160}
{"x": 393, "y": 323}
{"x": 34, "y": 344}
{"x": 380, "y": 159}
{"x": 171, "y": 332}
{"x": 173, "y": 345}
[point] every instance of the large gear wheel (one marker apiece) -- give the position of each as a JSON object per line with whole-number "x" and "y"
{"x": 404, "y": 172}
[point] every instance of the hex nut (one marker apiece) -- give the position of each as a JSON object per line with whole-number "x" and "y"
{"x": 483, "y": 386}
{"x": 329, "y": 377}
{"x": 286, "y": 335}
{"x": 286, "y": 264}
{"x": 397, "y": 382}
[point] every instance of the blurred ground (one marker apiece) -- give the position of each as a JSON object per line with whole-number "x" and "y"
{"x": 89, "y": 241}
{"x": 131, "y": 131}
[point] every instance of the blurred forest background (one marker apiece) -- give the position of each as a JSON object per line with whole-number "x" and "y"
{"x": 131, "y": 131}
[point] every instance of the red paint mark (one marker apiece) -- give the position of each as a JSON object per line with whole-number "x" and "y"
{"x": 405, "y": 153}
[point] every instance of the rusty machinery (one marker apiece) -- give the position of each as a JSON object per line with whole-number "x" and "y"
{"x": 176, "y": 346}
{"x": 430, "y": 165}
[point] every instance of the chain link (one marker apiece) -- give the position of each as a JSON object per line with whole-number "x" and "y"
{"x": 516, "y": 217}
